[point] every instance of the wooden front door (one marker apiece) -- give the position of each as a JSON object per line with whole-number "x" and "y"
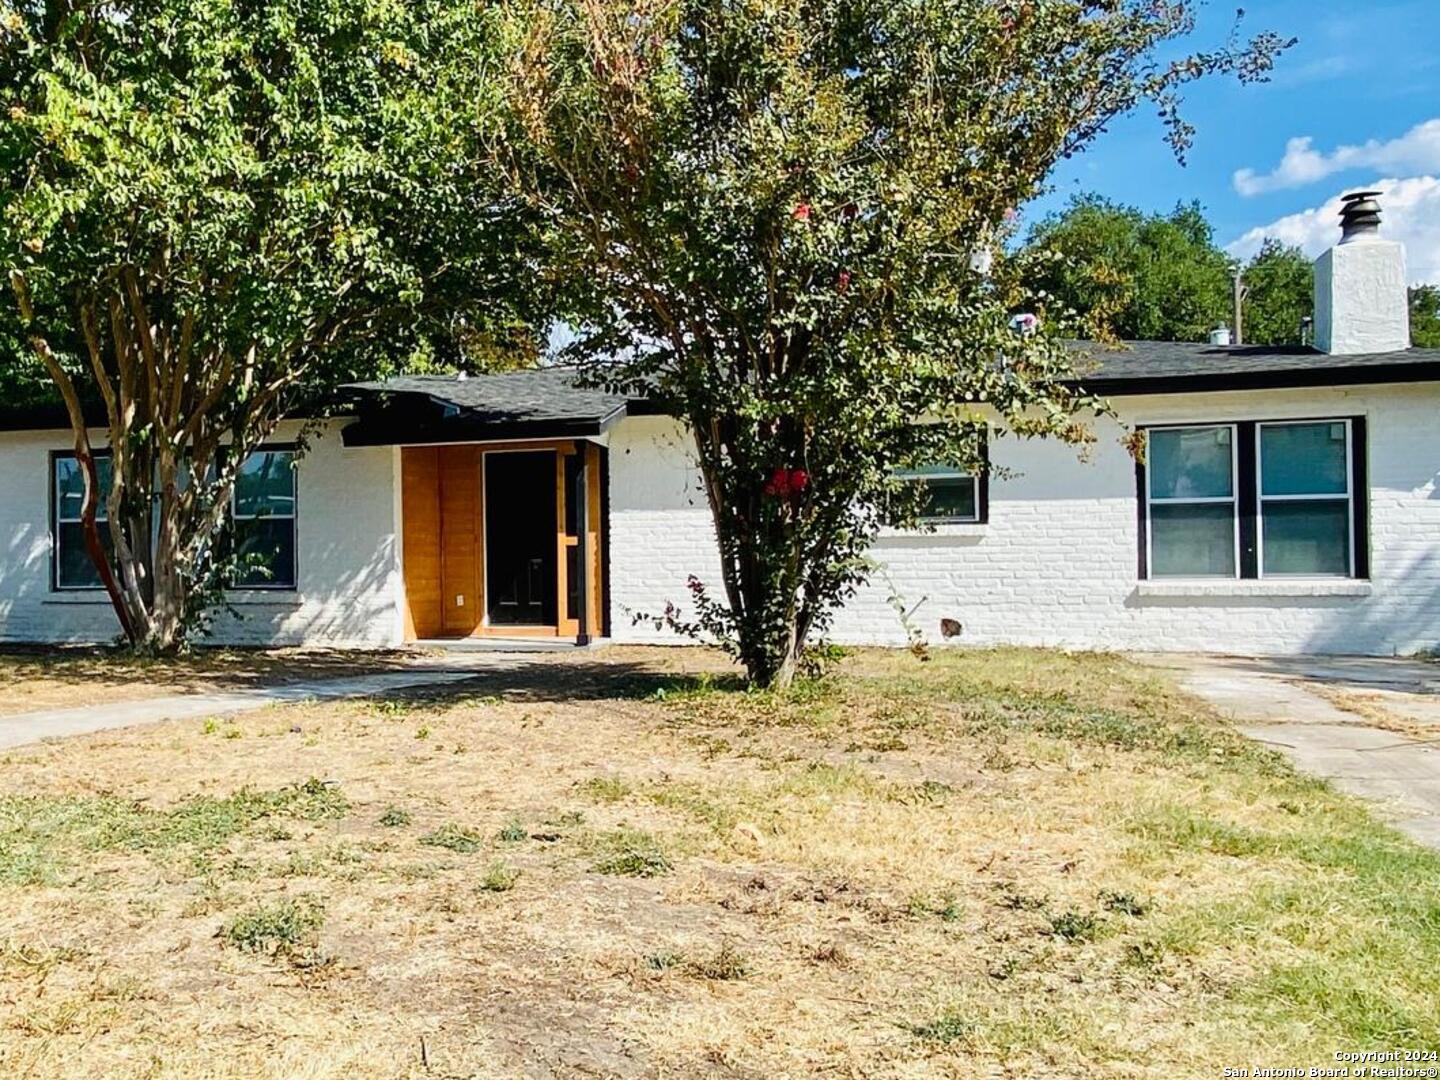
{"x": 502, "y": 539}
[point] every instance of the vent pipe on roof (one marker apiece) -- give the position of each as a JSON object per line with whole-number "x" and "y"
{"x": 1359, "y": 217}
{"x": 1361, "y": 303}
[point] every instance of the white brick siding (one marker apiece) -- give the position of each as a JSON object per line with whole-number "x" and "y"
{"x": 1057, "y": 562}
{"x": 349, "y": 581}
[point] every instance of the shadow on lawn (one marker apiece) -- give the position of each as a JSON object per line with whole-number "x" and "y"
{"x": 573, "y": 681}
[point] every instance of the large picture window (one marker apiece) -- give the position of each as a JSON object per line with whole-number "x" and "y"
{"x": 1193, "y": 519}
{"x": 1254, "y": 499}
{"x": 261, "y": 531}
{"x": 1305, "y": 498}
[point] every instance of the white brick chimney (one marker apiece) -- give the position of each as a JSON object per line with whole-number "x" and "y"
{"x": 1361, "y": 303}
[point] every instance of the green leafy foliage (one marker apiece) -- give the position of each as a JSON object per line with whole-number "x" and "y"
{"x": 768, "y": 214}
{"x": 215, "y": 212}
{"x": 1279, "y": 295}
{"x": 1113, "y": 271}
{"x": 1425, "y": 316}
{"x": 288, "y": 928}
{"x": 1127, "y": 274}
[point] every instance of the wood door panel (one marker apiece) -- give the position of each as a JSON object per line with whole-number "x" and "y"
{"x": 461, "y": 604}
{"x": 420, "y": 539}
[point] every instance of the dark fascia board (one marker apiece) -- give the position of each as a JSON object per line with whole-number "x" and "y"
{"x": 1283, "y": 379}
{"x": 463, "y": 427}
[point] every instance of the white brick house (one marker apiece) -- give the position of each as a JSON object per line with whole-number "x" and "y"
{"x": 1290, "y": 502}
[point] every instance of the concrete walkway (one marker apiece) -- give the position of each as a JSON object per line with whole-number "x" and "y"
{"x": 1370, "y": 725}
{"x": 22, "y": 728}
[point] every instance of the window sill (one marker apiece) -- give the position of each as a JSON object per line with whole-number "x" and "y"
{"x": 1296, "y": 587}
{"x": 939, "y": 532}
{"x": 241, "y": 598}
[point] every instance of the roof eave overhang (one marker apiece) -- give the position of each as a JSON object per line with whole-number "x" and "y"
{"x": 464, "y": 426}
{"x": 1284, "y": 379}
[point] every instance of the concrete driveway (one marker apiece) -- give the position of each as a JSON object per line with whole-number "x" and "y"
{"x": 1370, "y": 725}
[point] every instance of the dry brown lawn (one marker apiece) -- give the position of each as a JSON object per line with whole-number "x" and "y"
{"x": 999, "y": 863}
{"x": 57, "y": 678}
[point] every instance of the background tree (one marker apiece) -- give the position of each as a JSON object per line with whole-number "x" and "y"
{"x": 1128, "y": 274}
{"x": 1425, "y": 316}
{"x": 214, "y": 209}
{"x": 771, "y": 210}
{"x": 1280, "y": 294}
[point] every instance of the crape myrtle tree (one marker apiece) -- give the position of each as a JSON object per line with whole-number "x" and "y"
{"x": 214, "y": 210}
{"x": 777, "y": 205}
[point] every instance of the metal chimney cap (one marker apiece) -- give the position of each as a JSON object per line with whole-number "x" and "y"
{"x": 1359, "y": 216}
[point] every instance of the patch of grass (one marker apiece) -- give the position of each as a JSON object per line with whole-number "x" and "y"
{"x": 663, "y": 961}
{"x": 630, "y": 853}
{"x": 724, "y": 964}
{"x": 40, "y": 835}
{"x": 1124, "y": 903}
{"x": 945, "y": 907}
{"x": 499, "y": 878}
{"x": 454, "y": 838}
{"x": 946, "y": 1028}
{"x": 289, "y": 928}
{"x": 1074, "y": 926}
{"x": 513, "y": 832}
{"x": 606, "y": 789}
{"x": 696, "y": 802}
{"x": 394, "y": 817}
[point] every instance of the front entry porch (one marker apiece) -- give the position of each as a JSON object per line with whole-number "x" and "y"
{"x": 504, "y": 539}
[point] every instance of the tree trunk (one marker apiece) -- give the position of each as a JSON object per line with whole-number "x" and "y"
{"x": 94, "y": 546}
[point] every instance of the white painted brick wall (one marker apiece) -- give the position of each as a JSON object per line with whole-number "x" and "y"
{"x": 1057, "y": 562}
{"x": 349, "y": 580}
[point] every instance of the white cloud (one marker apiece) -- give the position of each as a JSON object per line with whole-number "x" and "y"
{"x": 1418, "y": 150}
{"x": 1410, "y": 213}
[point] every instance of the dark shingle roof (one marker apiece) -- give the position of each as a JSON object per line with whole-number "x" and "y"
{"x": 538, "y": 403}
{"x": 1157, "y": 367}
{"x": 536, "y": 394}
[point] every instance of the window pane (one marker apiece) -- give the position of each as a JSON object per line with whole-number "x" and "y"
{"x": 73, "y": 568}
{"x": 266, "y": 484}
{"x": 1194, "y": 540}
{"x": 1190, "y": 463}
{"x": 950, "y": 498}
{"x": 70, "y": 488}
{"x": 1306, "y": 537}
{"x": 1303, "y": 459}
{"x": 266, "y": 551}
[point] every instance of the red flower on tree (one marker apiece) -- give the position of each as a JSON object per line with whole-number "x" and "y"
{"x": 787, "y": 483}
{"x": 801, "y": 212}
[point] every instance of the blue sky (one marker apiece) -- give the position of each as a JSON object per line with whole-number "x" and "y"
{"x": 1362, "y": 85}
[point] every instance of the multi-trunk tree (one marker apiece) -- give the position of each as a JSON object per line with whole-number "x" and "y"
{"x": 214, "y": 207}
{"x": 780, "y": 211}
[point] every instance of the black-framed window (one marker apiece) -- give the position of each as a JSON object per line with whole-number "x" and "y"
{"x": 261, "y": 530}
{"x": 1254, "y": 499}
{"x": 72, "y": 567}
{"x": 951, "y": 496}
{"x": 262, "y": 513}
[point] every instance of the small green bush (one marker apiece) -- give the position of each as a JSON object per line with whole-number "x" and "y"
{"x": 288, "y": 928}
